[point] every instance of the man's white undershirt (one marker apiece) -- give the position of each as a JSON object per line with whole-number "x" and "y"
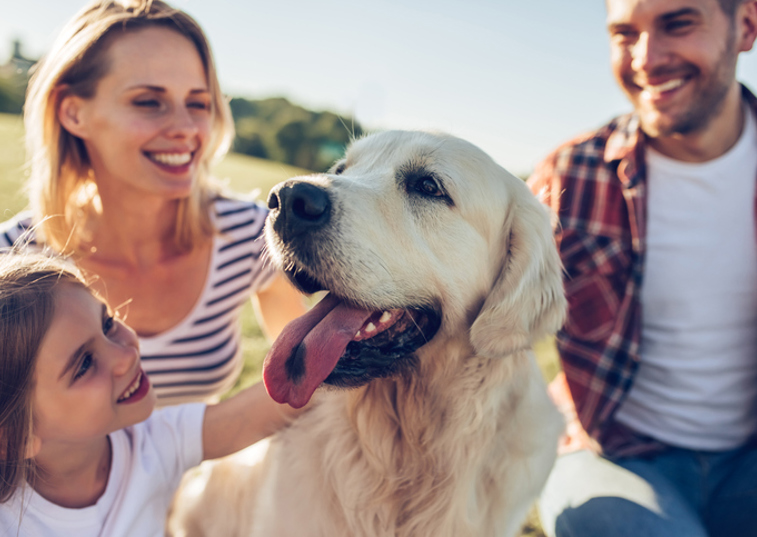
{"x": 696, "y": 385}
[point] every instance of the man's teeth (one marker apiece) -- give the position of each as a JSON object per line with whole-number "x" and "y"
{"x": 665, "y": 86}
{"x": 171, "y": 159}
{"x": 133, "y": 388}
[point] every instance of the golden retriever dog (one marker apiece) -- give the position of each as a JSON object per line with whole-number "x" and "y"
{"x": 441, "y": 272}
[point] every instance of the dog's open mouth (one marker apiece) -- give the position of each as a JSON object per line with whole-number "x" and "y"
{"x": 343, "y": 345}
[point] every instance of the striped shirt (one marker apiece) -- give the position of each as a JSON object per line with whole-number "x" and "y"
{"x": 200, "y": 358}
{"x": 596, "y": 184}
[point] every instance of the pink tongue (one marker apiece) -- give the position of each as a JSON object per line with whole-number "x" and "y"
{"x": 308, "y": 349}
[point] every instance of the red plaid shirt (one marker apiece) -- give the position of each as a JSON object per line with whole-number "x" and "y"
{"x": 596, "y": 184}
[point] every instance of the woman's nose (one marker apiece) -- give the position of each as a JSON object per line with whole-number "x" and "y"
{"x": 182, "y": 123}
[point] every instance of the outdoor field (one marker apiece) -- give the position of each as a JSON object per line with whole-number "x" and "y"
{"x": 243, "y": 174}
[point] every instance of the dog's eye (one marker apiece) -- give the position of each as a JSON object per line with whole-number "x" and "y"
{"x": 339, "y": 168}
{"x": 429, "y": 187}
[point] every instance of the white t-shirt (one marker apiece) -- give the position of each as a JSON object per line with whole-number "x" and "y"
{"x": 148, "y": 462}
{"x": 696, "y": 386}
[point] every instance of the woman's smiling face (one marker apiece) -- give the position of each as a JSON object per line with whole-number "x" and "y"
{"x": 147, "y": 125}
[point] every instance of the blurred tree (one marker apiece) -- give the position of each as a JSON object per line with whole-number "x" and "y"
{"x": 11, "y": 95}
{"x": 14, "y": 76}
{"x": 279, "y": 130}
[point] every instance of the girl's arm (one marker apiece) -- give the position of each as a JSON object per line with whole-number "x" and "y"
{"x": 242, "y": 420}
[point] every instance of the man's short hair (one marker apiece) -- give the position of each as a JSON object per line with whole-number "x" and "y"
{"x": 729, "y": 6}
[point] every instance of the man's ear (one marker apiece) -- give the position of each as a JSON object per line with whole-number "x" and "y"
{"x": 746, "y": 25}
{"x": 70, "y": 113}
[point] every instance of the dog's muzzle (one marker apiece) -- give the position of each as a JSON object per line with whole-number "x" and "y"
{"x": 298, "y": 208}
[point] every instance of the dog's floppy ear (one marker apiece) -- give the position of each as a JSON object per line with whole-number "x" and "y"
{"x": 527, "y": 300}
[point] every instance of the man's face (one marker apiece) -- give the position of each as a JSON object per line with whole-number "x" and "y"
{"x": 674, "y": 59}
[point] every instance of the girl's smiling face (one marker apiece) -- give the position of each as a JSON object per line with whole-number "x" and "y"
{"x": 88, "y": 379}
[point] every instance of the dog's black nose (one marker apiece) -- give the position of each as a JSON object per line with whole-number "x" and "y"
{"x": 301, "y": 207}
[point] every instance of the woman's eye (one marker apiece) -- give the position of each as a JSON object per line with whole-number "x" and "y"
{"x": 84, "y": 366}
{"x": 429, "y": 187}
{"x": 199, "y": 105}
{"x": 147, "y": 103}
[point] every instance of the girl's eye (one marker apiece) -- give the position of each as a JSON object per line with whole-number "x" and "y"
{"x": 84, "y": 366}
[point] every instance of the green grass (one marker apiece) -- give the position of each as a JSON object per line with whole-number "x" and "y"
{"x": 242, "y": 174}
{"x": 12, "y": 198}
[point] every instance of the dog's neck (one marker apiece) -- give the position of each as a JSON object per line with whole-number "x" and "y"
{"x": 420, "y": 439}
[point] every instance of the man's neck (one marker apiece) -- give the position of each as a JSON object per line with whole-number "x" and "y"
{"x": 720, "y": 135}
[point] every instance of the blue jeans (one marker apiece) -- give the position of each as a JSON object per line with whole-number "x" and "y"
{"x": 677, "y": 493}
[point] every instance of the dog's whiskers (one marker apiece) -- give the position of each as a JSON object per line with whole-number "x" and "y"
{"x": 265, "y": 252}
{"x": 407, "y": 312}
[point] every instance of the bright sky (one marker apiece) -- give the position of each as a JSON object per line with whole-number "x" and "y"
{"x": 516, "y": 77}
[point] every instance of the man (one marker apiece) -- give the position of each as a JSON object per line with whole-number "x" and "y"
{"x": 657, "y": 235}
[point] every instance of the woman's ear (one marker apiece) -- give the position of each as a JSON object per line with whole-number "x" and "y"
{"x": 33, "y": 447}
{"x": 70, "y": 113}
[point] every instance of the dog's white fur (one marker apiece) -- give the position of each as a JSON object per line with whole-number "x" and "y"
{"x": 462, "y": 444}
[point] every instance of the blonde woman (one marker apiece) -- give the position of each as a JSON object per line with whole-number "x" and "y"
{"x": 124, "y": 117}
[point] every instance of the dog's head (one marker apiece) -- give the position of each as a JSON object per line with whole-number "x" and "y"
{"x": 411, "y": 233}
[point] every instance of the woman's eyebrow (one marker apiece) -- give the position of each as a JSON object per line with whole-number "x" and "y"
{"x": 161, "y": 89}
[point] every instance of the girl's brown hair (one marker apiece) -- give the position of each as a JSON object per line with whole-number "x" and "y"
{"x": 61, "y": 181}
{"x": 27, "y": 286}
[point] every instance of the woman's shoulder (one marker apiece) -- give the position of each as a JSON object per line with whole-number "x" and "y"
{"x": 17, "y": 230}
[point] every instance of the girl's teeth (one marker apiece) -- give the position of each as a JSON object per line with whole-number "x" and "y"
{"x": 133, "y": 388}
{"x": 171, "y": 159}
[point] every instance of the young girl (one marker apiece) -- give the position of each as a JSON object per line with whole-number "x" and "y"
{"x": 81, "y": 451}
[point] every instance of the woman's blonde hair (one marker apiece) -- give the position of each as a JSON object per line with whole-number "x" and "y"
{"x": 61, "y": 182}
{"x": 27, "y": 306}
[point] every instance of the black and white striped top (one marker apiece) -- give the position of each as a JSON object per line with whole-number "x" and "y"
{"x": 200, "y": 358}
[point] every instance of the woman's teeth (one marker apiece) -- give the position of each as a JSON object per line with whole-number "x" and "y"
{"x": 133, "y": 388}
{"x": 171, "y": 159}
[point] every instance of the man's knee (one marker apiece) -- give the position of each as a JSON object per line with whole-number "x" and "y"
{"x": 620, "y": 517}
{"x": 587, "y": 495}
